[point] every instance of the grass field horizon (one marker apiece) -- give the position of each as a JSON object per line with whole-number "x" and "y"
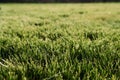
{"x": 60, "y": 41}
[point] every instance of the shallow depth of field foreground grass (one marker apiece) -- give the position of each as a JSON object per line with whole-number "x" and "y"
{"x": 60, "y": 41}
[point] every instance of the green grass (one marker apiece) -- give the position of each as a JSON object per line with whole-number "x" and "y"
{"x": 60, "y": 41}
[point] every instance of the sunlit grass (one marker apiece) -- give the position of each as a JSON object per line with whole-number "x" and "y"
{"x": 60, "y": 41}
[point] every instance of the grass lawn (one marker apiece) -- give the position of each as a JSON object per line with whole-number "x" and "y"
{"x": 60, "y": 41}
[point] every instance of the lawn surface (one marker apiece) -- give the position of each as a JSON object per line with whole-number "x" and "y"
{"x": 60, "y": 41}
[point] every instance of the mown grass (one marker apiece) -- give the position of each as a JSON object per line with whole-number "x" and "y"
{"x": 60, "y": 41}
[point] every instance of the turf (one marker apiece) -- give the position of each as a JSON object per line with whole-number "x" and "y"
{"x": 60, "y": 41}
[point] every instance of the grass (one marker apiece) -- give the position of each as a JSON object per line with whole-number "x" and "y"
{"x": 60, "y": 41}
